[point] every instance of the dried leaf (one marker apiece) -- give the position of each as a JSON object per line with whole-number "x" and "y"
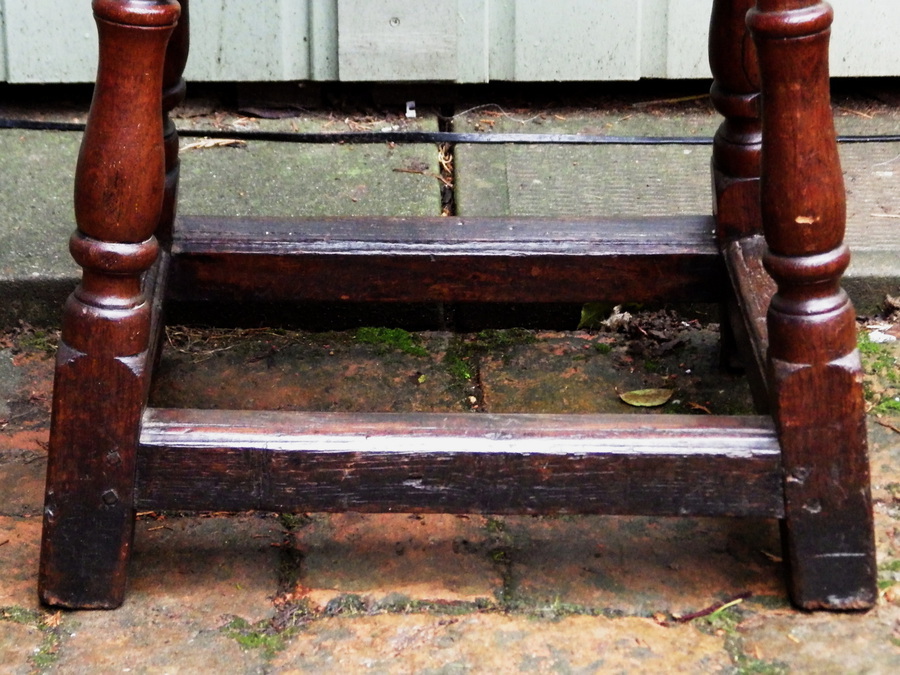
{"x": 647, "y": 398}
{"x": 53, "y": 620}
{"x": 214, "y": 143}
{"x": 593, "y": 314}
{"x": 272, "y": 112}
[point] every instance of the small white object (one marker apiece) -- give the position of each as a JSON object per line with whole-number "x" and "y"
{"x": 880, "y": 338}
{"x": 411, "y": 109}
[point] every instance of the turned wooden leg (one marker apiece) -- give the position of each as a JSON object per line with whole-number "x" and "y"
{"x": 173, "y": 95}
{"x": 814, "y": 368}
{"x": 102, "y": 363}
{"x": 738, "y": 142}
{"x": 736, "y": 148}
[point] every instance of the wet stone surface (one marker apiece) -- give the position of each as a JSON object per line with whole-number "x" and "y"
{"x": 305, "y": 371}
{"x": 19, "y": 562}
{"x": 491, "y": 371}
{"x": 498, "y": 643}
{"x": 585, "y": 372}
{"x": 430, "y": 559}
{"x": 635, "y": 565}
{"x": 269, "y": 593}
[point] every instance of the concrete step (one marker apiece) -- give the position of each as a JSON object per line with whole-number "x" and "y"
{"x": 36, "y": 215}
{"x": 270, "y": 179}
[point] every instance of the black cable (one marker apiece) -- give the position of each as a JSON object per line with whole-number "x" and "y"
{"x": 448, "y": 137}
{"x": 427, "y": 136}
{"x": 40, "y": 126}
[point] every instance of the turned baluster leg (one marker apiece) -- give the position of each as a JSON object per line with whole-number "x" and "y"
{"x": 736, "y": 147}
{"x": 738, "y": 142}
{"x": 173, "y": 95}
{"x": 102, "y": 363}
{"x": 813, "y": 363}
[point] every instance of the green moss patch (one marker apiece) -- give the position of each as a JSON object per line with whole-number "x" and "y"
{"x": 392, "y": 338}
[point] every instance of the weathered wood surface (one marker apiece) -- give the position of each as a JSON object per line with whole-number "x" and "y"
{"x": 813, "y": 365}
{"x": 461, "y": 463}
{"x": 747, "y": 310}
{"x": 155, "y": 282}
{"x": 441, "y": 259}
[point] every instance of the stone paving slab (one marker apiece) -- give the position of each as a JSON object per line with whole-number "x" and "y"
{"x": 36, "y": 221}
{"x": 36, "y": 218}
{"x": 36, "y": 272}
{"x": 18, "y": 642}
{"x": 497, "y": 643}
{"x": 290, "y": 180}
{"x": 637, "y": 566}
{"x": 18, "y": 561}
{"x": 431, "y": 559}
{"x": 554, "y": 180}
{"x": 205, "y": 568}
{"x": 855, "y": 114}
{"x": 806, "y": 643}
{"x": 149, "y": 642}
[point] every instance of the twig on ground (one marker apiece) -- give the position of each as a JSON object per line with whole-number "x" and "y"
{"x": 892, "y": 427}
{"x": 712, "y": 609}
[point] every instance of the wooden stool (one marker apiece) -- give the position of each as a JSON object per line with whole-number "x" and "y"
{"x": 776, "y": 234}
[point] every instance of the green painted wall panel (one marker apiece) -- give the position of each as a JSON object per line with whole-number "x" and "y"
{"x": 56, "y": 41}
{"x": 3, "y": 74}
{"x": 685, "y": 47}
{"x": 653, "y": 36}
{"x": 577, "y": 40}
{"x": 323, "y": 40}
{"x": 502, "y": 39}
{"x": 49, "y": 41}
{"x": 441, "y": 40}
{"x": 239, "y": 40}
{"x": 863, "y": 40}
{"x": 473, "y": 41}
{"x": 397, "y": 40}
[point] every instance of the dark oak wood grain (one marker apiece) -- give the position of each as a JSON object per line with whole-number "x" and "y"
{"x": 747, "y": 309}
{"x": 102, "y": 367}
{"x": 813, "y": 367}
{"x": 447, "y": 259}
{"x": 459, "y": 463}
